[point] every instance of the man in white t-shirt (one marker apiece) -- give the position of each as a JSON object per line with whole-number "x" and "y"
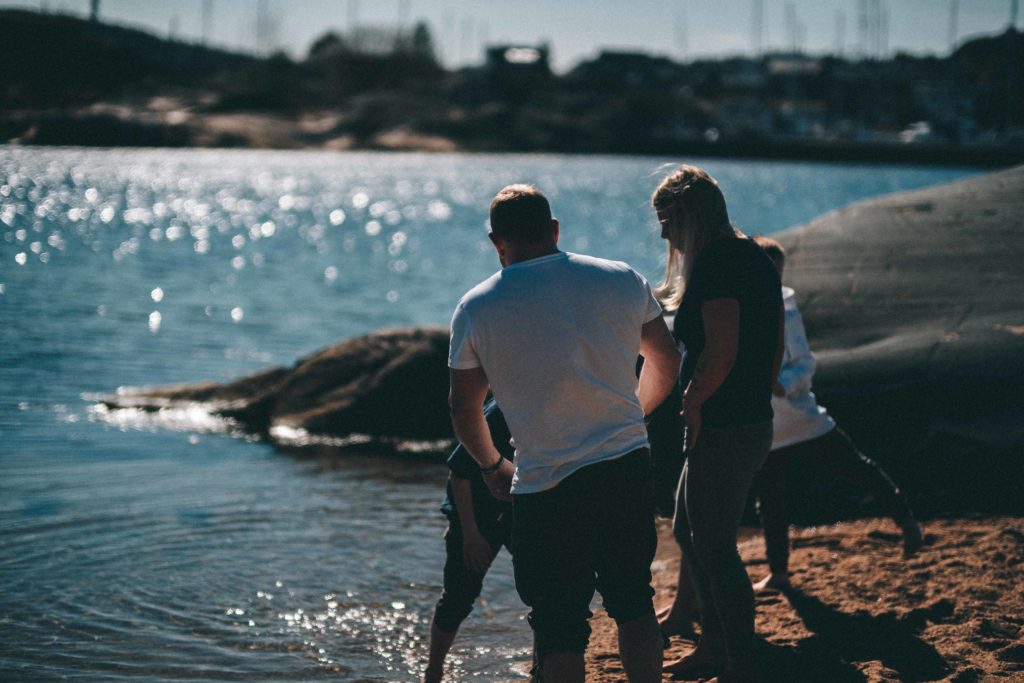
{"x": 555, "y": 336}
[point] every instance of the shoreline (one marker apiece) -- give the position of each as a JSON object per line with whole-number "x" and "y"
{"x": 859, "y": 611}
{"x": 115, "y": 126}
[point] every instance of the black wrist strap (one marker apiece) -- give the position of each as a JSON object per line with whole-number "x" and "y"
{"x": 493, "y": 468}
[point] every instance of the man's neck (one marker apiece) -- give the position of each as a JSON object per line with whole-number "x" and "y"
{"x": 528, "y": 252}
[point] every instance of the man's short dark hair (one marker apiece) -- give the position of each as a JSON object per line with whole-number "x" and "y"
{"x": 521, "y": 214}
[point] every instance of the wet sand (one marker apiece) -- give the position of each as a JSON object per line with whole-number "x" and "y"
{"x": 860, "y": 612}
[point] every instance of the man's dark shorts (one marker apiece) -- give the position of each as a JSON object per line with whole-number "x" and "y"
{"x": 594, "y": 530}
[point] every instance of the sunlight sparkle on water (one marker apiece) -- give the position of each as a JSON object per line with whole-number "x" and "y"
{"x": 392, "y": 634}
{"x": 439, "y": 211}
{"x": 187, "y": 417}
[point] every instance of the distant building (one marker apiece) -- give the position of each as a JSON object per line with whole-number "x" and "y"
{"x": 741, "y": 117}
{"x": 743, "y": 75}
{"x": 633, "y": 69}
{"x": 794, "y": 65}
{"x": 518, "y": 59}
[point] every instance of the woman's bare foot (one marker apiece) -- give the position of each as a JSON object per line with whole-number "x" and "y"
{"x": 698, "y": 664}
{"x": 775, "y": 581}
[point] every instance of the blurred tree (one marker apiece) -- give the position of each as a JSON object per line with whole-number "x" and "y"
{"x": 423, "y": 42}
{"x": 327, "y": 44}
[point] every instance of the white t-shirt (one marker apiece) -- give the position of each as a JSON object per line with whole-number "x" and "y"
{"x": 558, "y": 337}
{"x": 798, "y": 417}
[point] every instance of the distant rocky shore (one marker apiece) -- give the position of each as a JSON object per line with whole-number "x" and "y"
{"x": 120, "y": 125}
{"x": 68, "y": 81}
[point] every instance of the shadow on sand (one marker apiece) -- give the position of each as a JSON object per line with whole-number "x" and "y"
{"x": 840, "y": 640}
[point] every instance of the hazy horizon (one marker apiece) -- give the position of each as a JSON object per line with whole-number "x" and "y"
{"x": 680, "y": 30}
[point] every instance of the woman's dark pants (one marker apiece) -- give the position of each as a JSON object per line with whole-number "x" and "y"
{"x": 712, "y": 494}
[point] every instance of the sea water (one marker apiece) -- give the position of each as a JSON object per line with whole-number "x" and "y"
{"x": 170, "y": 548}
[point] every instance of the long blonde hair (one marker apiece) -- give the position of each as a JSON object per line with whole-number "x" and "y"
{"x": 691, "y": 207}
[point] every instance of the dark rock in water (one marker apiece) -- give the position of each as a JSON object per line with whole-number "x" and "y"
{"x": 392, "y": 383}
{"x": 914, "y": 305}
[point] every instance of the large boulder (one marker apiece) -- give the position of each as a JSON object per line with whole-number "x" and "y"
{"x": 914, "y": 305}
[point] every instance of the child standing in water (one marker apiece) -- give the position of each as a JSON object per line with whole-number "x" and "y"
{"x": 478, "y": 526}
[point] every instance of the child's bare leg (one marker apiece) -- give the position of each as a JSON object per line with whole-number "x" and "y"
{"x": 440, "y": 644}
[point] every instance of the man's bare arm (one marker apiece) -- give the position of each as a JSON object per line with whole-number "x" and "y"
{"x": 660, "y": 371}
{"x": 466, "y": 400}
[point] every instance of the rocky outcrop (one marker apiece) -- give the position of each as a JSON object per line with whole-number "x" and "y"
{"x": 914, "y": 304}
{"x": 392, "y": 384}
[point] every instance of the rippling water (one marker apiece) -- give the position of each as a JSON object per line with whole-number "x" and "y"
{"x": 169, "y": 550}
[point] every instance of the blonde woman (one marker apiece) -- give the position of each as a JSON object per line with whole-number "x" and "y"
{"x": 727, "y": 297}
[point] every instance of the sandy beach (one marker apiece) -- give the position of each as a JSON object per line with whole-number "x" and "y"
{"x": 860, "y": 612}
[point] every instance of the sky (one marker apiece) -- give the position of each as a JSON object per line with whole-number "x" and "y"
{"x": 575, "y": 29}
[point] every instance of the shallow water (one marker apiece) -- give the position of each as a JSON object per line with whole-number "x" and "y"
{"x": 171, "y": 550}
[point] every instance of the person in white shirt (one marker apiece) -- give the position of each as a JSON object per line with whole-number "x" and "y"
{"x": 554, "y": 337}
{"x": 806, "y": 433}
